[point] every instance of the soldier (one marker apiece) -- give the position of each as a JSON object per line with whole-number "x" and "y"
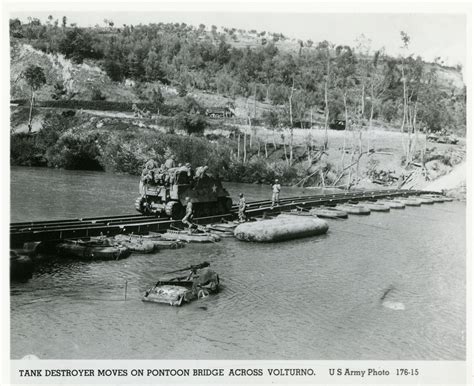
{"x": 276, "y": 187}
{"x": 186, "y": 168}
{"x": 242, "y": 208}
{"x": 147, "y": 175}
{"x": 170, "y": 162}
{"x": 151, "y": 164}
{"x": 204, "y": 282}
{"x": 160, "y": 176}
{"x": 200, "y": 171}
{"x": 189, "y": 214}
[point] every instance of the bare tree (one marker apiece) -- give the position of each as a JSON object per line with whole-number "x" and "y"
{"x": 290, "y": 102}
{"x": 405, "y": 41}
{"x": 327, "y": 78}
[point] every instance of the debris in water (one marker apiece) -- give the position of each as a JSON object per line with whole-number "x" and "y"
{"x": 386, "y": 292}
{"x": 397, "y": 306}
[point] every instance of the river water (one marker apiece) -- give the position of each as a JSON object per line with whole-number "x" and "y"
{"x": 315, "y": 298}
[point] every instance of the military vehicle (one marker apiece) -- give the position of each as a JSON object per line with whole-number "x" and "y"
{"x": 164, "y": 194}
{"x": 194, "y": 282}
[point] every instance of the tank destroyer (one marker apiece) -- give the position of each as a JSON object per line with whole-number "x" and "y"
{"x": 163, "y": 193}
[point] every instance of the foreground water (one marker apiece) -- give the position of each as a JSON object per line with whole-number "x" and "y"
{"x": 313, "y": 298}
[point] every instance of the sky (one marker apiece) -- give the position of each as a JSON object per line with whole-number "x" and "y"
{"x": 432, "y": 34}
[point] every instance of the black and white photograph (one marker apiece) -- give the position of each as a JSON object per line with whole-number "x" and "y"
{"x": 238, "y": 184}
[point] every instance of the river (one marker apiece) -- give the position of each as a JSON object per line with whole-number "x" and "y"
{"x": 314, "y": 298}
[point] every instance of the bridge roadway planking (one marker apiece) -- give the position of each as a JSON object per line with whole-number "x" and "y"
{"x": 123, "y": 219}
{"x": 133, "y": 219}
{"x": 139, "y": 224}
{"x": 33, "y": 225}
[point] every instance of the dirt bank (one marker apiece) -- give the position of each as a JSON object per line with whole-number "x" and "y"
{"x": 453, "y": 184}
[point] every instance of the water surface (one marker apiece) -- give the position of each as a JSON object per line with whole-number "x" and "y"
{"x": 315, "y": 298}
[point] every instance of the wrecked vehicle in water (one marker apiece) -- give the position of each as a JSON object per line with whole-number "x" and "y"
{"x": 193, "y": 283}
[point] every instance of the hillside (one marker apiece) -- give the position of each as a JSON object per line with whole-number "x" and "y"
{"x": 122, "y": 87}
{"x": 255, "y": 71}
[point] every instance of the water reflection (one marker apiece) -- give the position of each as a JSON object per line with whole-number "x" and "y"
{"x": 315, "y": 298}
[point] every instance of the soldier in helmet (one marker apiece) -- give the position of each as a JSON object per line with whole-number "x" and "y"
{"x": 276, "y": 187}
{"x": 242, "y": 208}
{"x": 200, "y": 171}
{"x": 170, "y": 162}
{"x": 148, "y": 175}
{"x": 151, "y": 164}
{"x": 186, "y": 168}
{"x": 188, "y": 215}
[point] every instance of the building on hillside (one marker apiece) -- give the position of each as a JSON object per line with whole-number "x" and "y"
{"x": 219, "y": 112}
{"x": 338, "y": 124}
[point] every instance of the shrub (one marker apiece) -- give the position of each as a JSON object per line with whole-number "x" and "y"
{"x": 182, "y": 91}
{"x": 24, "y": 151}
{"x": 97, "y": 95}
{"x": 54, "y": 125}
{"x": 114, "y": 70}
{"x": 77, "y": 44}
{"x": 261, "y": 171}
{"x": 126, "y": 154}
{"x": 190, "y": 123}
{"x": 76, "y": 151}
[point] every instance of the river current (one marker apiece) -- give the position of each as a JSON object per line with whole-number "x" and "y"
{"x": 315, "y": 298}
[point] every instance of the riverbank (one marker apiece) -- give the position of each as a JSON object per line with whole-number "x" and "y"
{"x": 453, "y": 184}
{"x": 352, "y": 159}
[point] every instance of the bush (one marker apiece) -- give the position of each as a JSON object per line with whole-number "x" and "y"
{"x": 24, "y": 151}
{"x": 127, "y": 154}
{"x": 114, "y": 70}
{"x": 261, "y": 171}
{"x": 271, "y": 118}
{"x": 77, "y": 44}
{"x": 182, "y": 91}
{"x": 97, "y": 95}
{"x": 54, "y": 125}
{"x": 190, "y": 123}
{"x": 76, "y": 151}
{"x": 41, "y": 149}
{"x": 59, "y": 91}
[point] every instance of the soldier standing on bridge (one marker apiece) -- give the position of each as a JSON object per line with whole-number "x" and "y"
{"x": 276, "y": 187}
{"x": 189, "y": 214}
{"x": 242, "y": 208}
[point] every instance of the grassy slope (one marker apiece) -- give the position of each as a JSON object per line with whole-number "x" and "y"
{"x": 82, "y": 78}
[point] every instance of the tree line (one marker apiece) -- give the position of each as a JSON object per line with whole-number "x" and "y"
{"x": 339, "y": 81}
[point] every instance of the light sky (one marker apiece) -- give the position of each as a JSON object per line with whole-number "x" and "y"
{"x": 432, "y": 34}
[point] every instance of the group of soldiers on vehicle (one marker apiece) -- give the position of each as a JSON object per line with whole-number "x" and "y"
{"x": 166, "y": 174}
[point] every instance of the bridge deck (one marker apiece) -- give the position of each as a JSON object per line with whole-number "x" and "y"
{"x": 51, "y": 230}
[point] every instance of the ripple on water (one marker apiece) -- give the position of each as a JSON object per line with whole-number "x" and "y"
{"x": 314, "y": 298}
